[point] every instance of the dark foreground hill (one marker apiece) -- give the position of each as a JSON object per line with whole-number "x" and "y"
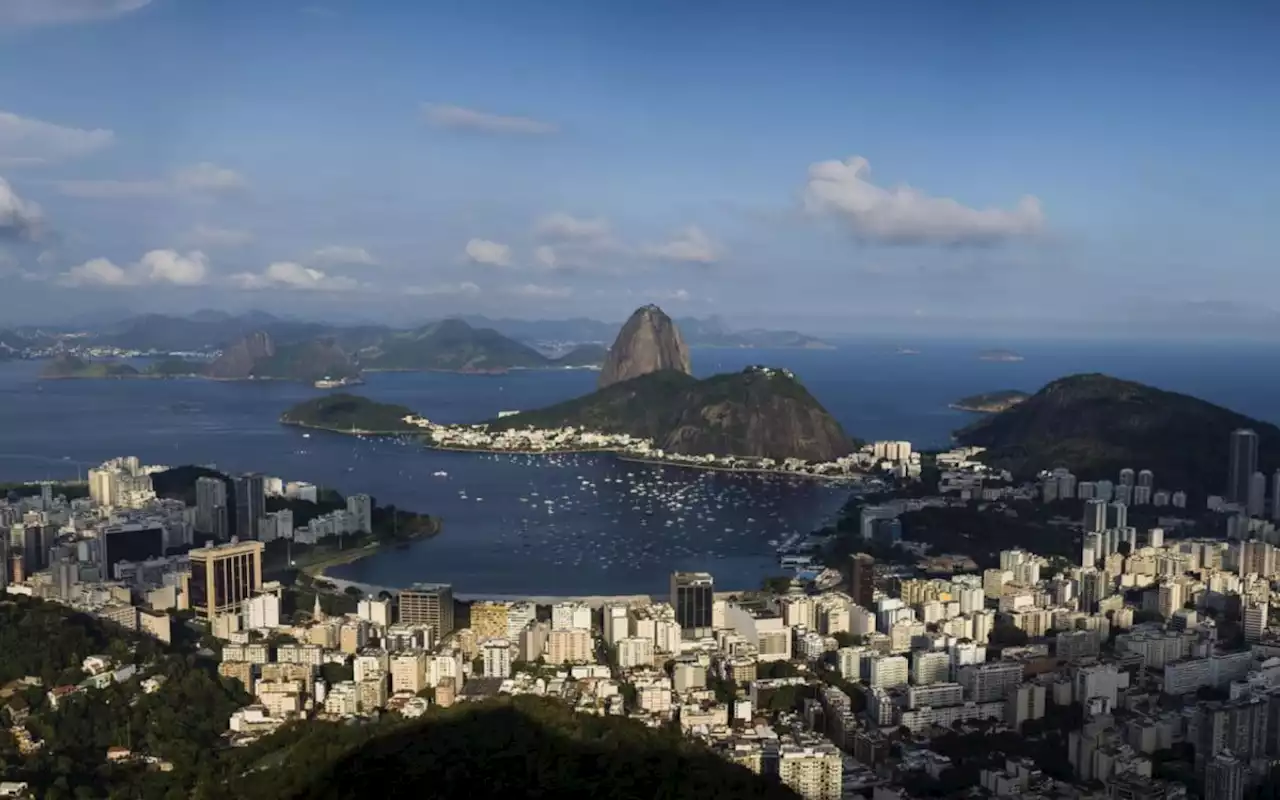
{"x": 758, "y": 412}
{"x": 514, "y": 748}
{"x": 1097, "y": 425}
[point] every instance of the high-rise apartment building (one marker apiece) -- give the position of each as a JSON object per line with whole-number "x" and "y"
{"x": 428, "y": 604}
{"x": 1225, "y": 777}
{"x": 815, "y": 772}
{"x": 1255, "y": 621}
{"x": 251, "y": 504}
{"x": 1257, "y": 501}
{"x": 1241, "y": 465}
{"x": 360, "y": 508}
{"x": 223, "y": 577}
{"x": 862, "y": 579}
{"x": 211, "y": 508}
{"x": 1147, "y": 479}
{"x": 1095, "y": 515}
{"x": 691, "y": 597}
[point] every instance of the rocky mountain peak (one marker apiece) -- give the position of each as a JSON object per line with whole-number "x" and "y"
{"x": 648, "y": 342}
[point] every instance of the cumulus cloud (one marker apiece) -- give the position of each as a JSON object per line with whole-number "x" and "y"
{"x": 903, "y": 215}
{"x": 562, "y": 227}
{"x": 19, "y": 219}
{"x": 59, "y": 12}
{"x": 573, "y": 243}
{"x": 208, "y": 236}
{"x": 466, "y": 288}
{"x": 487, "y": 253}
{"x": 26, "y": 141}
{"x": 291, "y": 275}
{"x": 155, "y": 267}
{"x": 198, "y": 180}
{"x": 457, "y": 118}
{"x": 338, "y": 255}
{"x": 688, "y": 246}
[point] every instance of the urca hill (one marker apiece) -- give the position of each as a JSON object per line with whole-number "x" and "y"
{"x": 1096, "y": 425}
{"x": 760, "y": 412}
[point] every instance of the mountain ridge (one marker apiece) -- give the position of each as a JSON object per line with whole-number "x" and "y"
{"x": 1096, "y": 424}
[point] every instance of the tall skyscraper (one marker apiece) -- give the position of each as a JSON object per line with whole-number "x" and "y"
{"x": 1242, "y": 464}
{"x": 222, "y": 577}
{"x": 1257, "y": 494}
{"x": 1117, "y": 515}
{"x": 428, "y": 604}
{"x": 360, "y": 507}
{"x": 211, "y": 508}
{"x": 1095, "y": 515}
{"x": 1225, "y": 777}
{"x": 1275, "y": 496}
{"x": 862, "y": 580}
{"x": 1147, "y": 478}
{"x": 1126, "y": 477}
{"x": 251, "y": 504}
{"x": 691, "y": 597}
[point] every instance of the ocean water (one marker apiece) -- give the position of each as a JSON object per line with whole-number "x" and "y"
{"x": 580, "y": 524}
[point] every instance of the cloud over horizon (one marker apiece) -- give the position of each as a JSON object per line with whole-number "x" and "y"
{"x": 61, "y": 12}
{"x": 25, "y": 141}
{"x": 906, "y": 216}
{"x": 19, "y": 218}
{"x": 292, "y": 275}
{"x": 197, "y": 180}
{"x": 484, "y": 252}
{"x": 155, "y": 267}
{"x": 458, "y": 118}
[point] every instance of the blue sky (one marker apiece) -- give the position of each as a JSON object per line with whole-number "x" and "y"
{"x": 842, "y": 166}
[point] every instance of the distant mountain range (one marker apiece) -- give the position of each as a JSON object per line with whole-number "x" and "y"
{"x": 214, "y": 330}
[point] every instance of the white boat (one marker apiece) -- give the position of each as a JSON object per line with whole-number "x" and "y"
{"x": 440, "y": 474}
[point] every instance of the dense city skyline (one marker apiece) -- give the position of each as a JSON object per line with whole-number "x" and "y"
{"x": 831, "y": 167}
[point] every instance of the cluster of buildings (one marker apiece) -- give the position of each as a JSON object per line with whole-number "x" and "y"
{"x": 127, "y": 555}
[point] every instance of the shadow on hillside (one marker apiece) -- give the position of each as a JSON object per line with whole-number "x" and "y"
{"x": 537, "y": 749}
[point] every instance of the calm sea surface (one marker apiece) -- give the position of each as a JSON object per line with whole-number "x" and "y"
{"x": 574, "y": 524}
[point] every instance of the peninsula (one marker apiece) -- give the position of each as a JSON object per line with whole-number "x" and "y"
{"x": 759, "y": 418}
{"x": 990, "y": 402}
{"x": 1097, "y": 425}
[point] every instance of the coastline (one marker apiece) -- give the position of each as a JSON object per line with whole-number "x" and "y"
{"x": 621, "y": 456}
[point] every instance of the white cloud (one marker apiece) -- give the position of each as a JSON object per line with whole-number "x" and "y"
{"x": 206, "y": 177}
{"x": 468, "y": 119}
{"x": 688, "y": 246}
{"x": 562, "y": 227}
{"x": 207, "y": 236}
{"x": 32, "y": 142}
{"x": 19, "y": 219}
{"x": 903, "y": 215}
{"x": 169, "y": 266}
{"x": 57, "y": 12}
{"x": 155, "y": 267}
{"x": 537, "y": 291}
{"x": 465, "y": 288}
{"x": 488, "y": 253}
{"x": 338, "y": 255}
{"x": 291, "y": 275}
{"x": 199, "y": 180}
{"x": 573, "y": 243}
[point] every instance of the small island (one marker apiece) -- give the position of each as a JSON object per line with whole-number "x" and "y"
{"x": 990, "y": 402}
{"x": 999, "y": 355}
{"x": 349, "y": 413}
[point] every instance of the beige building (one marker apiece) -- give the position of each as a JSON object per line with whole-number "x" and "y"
{"x": 430, "y": 605}
{"x": 240, "y": 670}
{"x": 489, "y": 620}
{"x": 281, "y": 698}
{"x": 814, "y": 773}
{"x": 569, "y": 647}
{"x": 222, "y": 577}
{"x": 409, "y": 672}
